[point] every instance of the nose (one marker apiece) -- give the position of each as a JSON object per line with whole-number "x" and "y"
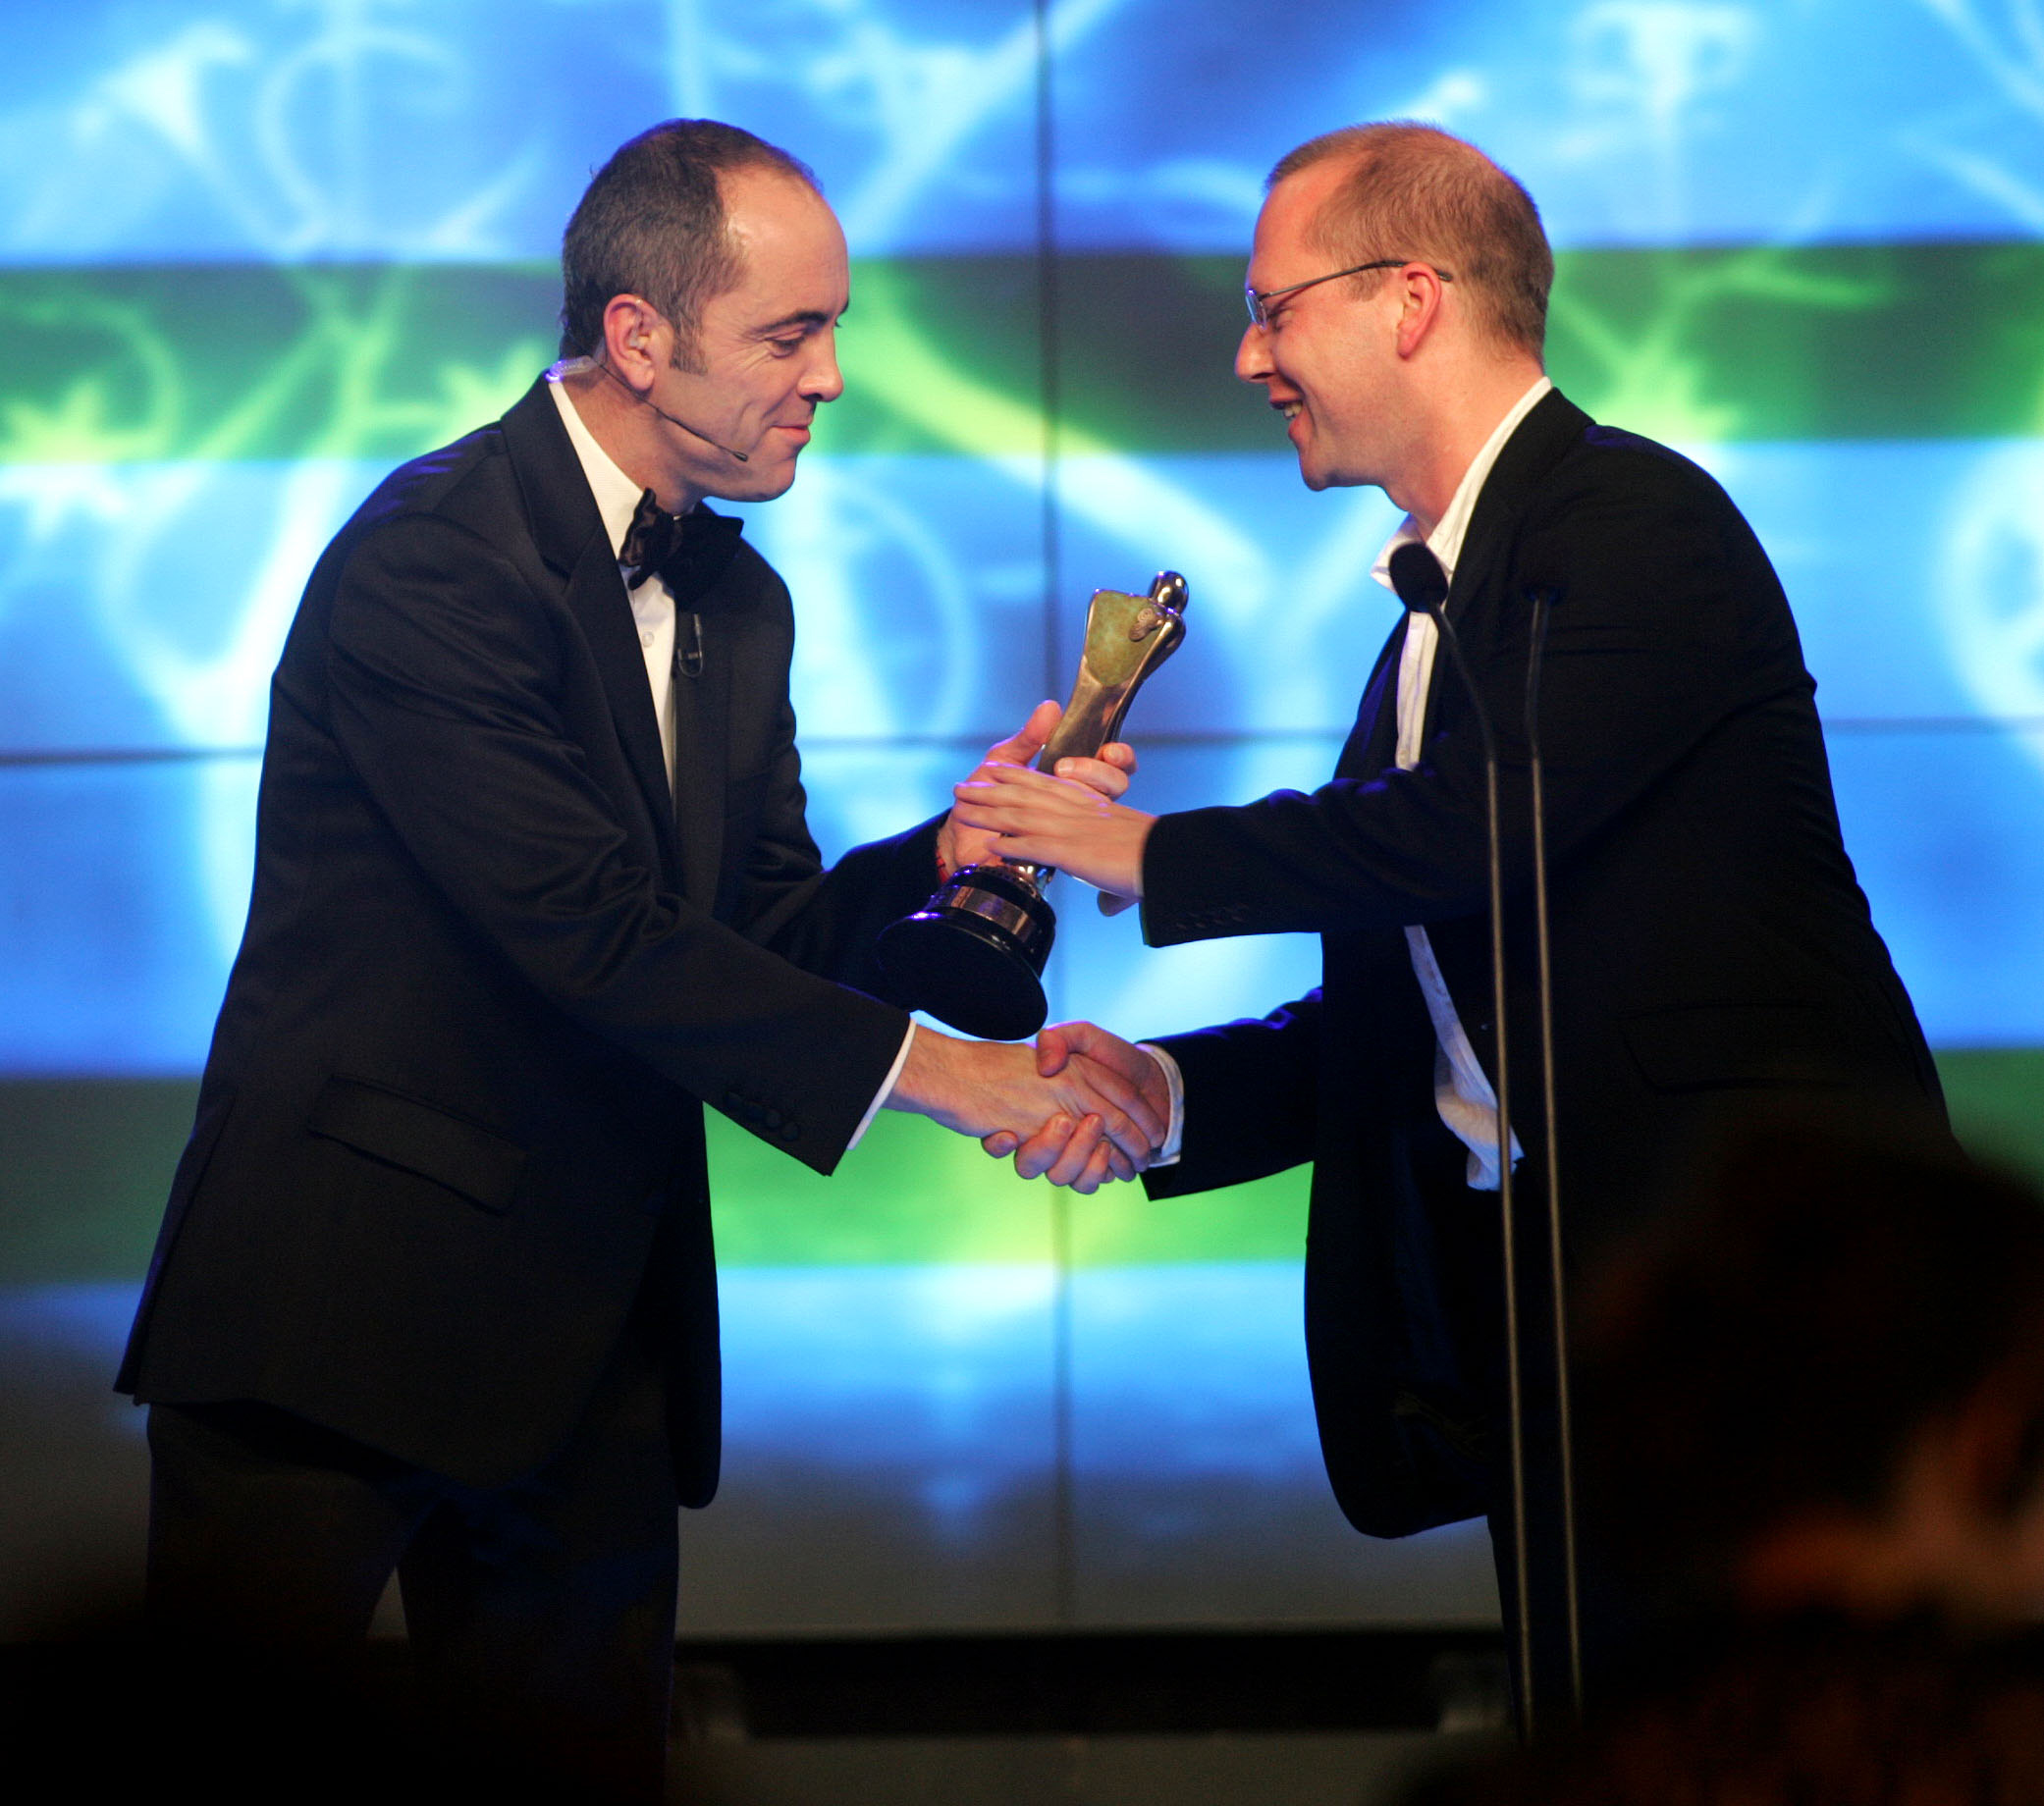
{"x": 1253, "y": 354}
{"x": 822, "y": 380}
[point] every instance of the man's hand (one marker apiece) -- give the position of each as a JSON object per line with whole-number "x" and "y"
{"x": 1085, "y": 1120}
{"x": 1051, "y": 1151}
{"x": 1106, "y": 774}
{"x": 1053, "y": 822}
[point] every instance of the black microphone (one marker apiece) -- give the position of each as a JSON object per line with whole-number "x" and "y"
{"x": 1422, "y": 586}
{"x": 646, "y": 400}
{"x": 1417, "y": 577}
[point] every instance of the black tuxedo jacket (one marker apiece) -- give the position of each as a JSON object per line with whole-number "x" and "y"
{"x": 450, "y": 1119}
{"x": 1711, "y": 941}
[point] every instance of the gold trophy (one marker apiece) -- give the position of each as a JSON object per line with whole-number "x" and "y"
{"x": 973, "y": 956}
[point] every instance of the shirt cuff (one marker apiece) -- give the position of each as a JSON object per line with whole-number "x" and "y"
{"x": 1174, "y": 1083}
{"x": 886, "y": 1088}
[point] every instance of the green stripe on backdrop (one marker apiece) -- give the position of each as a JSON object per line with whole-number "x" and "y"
{"x": 87, "y": 1160}
{"x": 126, "y": 364}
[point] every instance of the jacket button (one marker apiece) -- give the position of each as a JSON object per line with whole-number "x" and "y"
{"x": 771, "y": 1117}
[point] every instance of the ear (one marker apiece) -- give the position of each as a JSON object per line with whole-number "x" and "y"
{"x": 637, "y": 340}
{"x": 1421, "y": 298}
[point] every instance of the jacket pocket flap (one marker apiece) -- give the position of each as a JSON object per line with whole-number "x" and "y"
{"x": 450, "y": 1150}
{"x": 1740, "y": 1043}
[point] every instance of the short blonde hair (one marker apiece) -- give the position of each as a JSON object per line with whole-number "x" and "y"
{"x": 1420, "y": 192}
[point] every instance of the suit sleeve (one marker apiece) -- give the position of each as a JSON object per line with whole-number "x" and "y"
{"x": 1671, "y": 621}
{"x": 440, "y": 680}
{"x": 1250, "y": 1099}
{"x": 827, "y": 920}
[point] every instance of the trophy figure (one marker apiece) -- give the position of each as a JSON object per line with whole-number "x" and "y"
{"x": 973, "y": 956}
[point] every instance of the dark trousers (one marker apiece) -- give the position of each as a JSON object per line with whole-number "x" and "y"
{"x": 540, "y": 1613}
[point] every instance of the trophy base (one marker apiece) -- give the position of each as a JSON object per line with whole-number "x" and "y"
{"x": 974, "y": 957}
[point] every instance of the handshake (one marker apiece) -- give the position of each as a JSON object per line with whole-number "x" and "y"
{"x": 1082, "y": 1106}
{"x": 1102, "y": 1105}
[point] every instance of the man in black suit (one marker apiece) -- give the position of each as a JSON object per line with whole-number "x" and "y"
{"x": 1710, "y": 943}
{"x": 435, "y": 1289}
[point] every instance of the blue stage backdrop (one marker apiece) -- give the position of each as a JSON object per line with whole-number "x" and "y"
{"x": 254, "y": 253}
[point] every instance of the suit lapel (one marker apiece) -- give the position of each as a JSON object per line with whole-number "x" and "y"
{"x": 569, "y": 535}
{"x": 1548, "y": 430}
{"x": 1553, "y": 425}
{"x": 1373, "y": 739}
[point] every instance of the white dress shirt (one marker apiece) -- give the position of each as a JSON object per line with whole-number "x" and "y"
{"x": 651, "y": 601}
{"x": 653, "y": 612}
{"x": 1462, "y": 1090}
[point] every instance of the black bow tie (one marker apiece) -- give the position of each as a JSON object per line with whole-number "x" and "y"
{"x": 688, "y": 551}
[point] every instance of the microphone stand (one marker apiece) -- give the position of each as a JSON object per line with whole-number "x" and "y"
{"x": 1422, "y": 585}
{"x": 1543, "y": 596}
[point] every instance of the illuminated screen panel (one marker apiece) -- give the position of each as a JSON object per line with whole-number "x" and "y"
{"x": 460, "y": 130}
{"x": 254, "y": 253}
{"x": 1673, "y": 123}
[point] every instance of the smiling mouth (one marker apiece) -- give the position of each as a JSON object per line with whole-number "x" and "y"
{"x": 1291, "y": 411}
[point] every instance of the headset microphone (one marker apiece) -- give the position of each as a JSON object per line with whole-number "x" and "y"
{"x": 673, "y": 419}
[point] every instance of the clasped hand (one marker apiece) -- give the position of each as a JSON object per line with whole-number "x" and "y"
{"x": 1078, "y": 827}
{"x": 1067, "y": 1152}
{"x": 966, "y": 839}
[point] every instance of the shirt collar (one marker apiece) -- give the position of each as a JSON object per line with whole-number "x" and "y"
{"x": 617, "y": 495}
{"x": 1445, "y": 540}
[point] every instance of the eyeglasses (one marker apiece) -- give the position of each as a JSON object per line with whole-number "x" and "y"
{"x": 1260, "y": 299}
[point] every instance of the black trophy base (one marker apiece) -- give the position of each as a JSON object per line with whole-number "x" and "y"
{"x": 974, "y": 956}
